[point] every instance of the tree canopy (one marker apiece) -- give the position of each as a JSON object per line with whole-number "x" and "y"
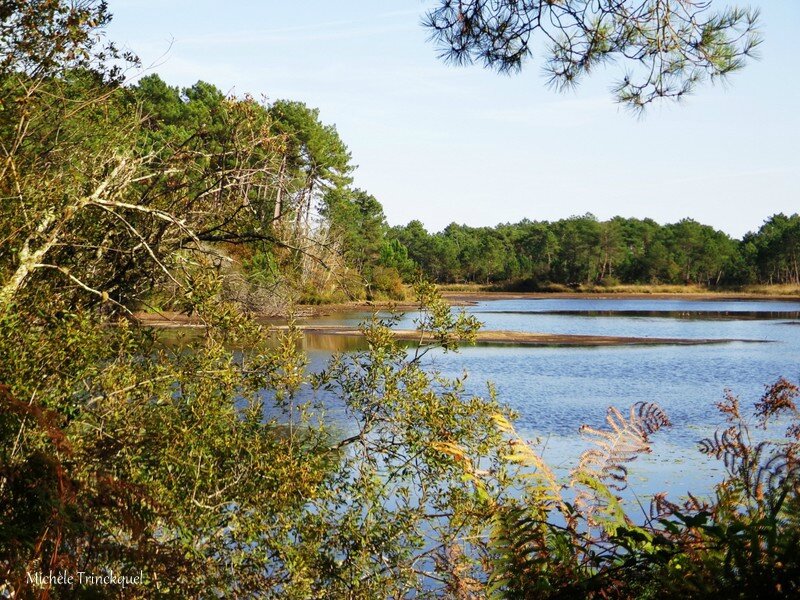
{"x": 583, "y": 250}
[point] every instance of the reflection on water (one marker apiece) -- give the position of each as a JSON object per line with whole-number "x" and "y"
{"x": 310, "y": 342}
{"x": 333, "y": 343}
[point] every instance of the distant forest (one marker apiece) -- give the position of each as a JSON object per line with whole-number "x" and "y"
{"x": 270, "y": 188}
{"x": 584, "y": 250}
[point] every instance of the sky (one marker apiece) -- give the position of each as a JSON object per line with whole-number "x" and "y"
{"x": 447, "y": 144}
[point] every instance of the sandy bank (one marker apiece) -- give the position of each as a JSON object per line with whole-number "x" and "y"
{"x": 516, "y": 338}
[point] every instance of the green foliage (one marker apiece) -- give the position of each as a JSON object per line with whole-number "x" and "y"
{"x": 394, "y": 255}
{"x": 387, "y": 281}
{"x": 357, "y": 222}
{"x": 315, "y": 161}
{"x": 203, "y": 467}
{"x": 262, "y": 268}
{"x": 130, "y": 455}
{"x": 447, "y": 328}
{"x": 41, "y": 38}
{"x": 419, "y": 473}
{"x": 583, "y": 250}
{"x": 314, "y": 151}
{"x": 774, "y": 251}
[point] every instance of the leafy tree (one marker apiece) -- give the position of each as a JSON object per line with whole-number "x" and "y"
{"x": 665, "y": 47}
{"x": 357, "y": 222}
{"x": 611, "y": 248}
{"x": 418, "y": 243}
{"x": 578, "y": 259}
{"x": 41, "y": 38}
{"x": 701, "y": 254}
{"x": 642, "y": 250}
{"x": 540, "y": 246}
{"x": 357, "y": 219}
{"x": 92, "y": 183}
{"x": 316, "y": 159}
{"x": 775, "y": 249}
{"x": 223, "y": 144}
{"x": 444, "y": 259}
{"x": 395, "y": 256}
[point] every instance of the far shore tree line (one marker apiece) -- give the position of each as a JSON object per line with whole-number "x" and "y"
{"x": 584, "y": 250}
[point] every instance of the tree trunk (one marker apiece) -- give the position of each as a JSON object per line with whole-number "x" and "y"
{"x": 31, "y": 260}
{"x": 278, "y": 207}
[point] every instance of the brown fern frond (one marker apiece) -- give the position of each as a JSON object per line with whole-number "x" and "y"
{"x": 621, "y": 443}
{"x": 728, "y": 444}
{"x": 660, "y": 507}
{"x": 779, "y": 397}
{"x": 780, "y": 472}
{"x": 460, "y": 583}
{"x": 714, "y": 446}
{"x": 695, "y": 504}
{"x": 650, "y": 417}
{"x": 747, "y": 465}
{"x": 601, "y": 470}
{"x": 729, "y": 407}
{"x": 543, "y": 487}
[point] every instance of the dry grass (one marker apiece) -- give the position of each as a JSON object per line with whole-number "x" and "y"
{"x": 772, "y": 290}
{"x": 637, "y": 289}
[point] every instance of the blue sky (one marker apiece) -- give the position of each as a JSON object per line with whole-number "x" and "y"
{"x": 443, "y": 144}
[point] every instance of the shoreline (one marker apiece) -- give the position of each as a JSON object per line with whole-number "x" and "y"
{"x": 472, "y": 297}
{"x": 167, "y": 319}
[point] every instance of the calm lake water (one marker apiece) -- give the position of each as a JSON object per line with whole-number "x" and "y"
{"x": 556, "y": 389}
